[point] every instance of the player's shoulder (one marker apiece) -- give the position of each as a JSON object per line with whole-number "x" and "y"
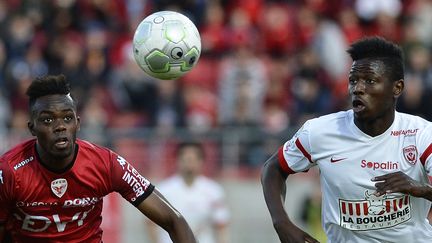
{"x": 329, "y": 120}
{"x": 409, "y": 119}
{"x": 92, "y": 148}
{"x": 19, "y": 155}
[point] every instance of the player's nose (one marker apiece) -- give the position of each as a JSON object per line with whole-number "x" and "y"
{"x": 359, "y": 87}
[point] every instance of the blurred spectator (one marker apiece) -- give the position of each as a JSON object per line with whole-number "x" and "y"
{"x": 387, "y": 26}
{"x": 194, "y": 9}
{"x": 330, "y": 45}
{"x": 278, "y": 98}
{"x": 419, "y": 64}
{"x": 350, "y": 25}
{"x": 214, "y": 31}
{"x": 419, "y": 11}
{"x": 241, "y": 32}
{"x": 369, "y": 9}
{"x": 416, "y": 99}
{"x": 95, "y": 119}
{"x": 243, "y": 84}
{"x": 418, "y": 82}
{"x": 132, "y": 91}
{"x": 307, "y": 22}
{"x": 169, "y": 104}
{"x": 201, "y": 108}
{"x": 20, "y": 32}
{"x": 277, "y": 29}
{"x": 311, "y": 98}
{"x": 3, "y": 60}
{"x": 276, "y": 119}
{"x": 5, "y": 114}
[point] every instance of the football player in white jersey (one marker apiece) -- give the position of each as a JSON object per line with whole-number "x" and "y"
{"x": 374, "y": 162}
{"x": 200, "y": 199}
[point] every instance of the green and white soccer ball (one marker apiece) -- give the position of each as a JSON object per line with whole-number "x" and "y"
{"x": 166, "y": 45}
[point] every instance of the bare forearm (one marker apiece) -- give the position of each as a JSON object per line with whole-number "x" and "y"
{"x": 180, "y": 232}
{"x": 273, "y": 183}
{"x": 161, "y": 212}
{"x": 427, "y": 192}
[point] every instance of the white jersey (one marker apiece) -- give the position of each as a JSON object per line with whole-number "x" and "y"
{"x": 348, "y": 159}
{"x": 202, "y": 204}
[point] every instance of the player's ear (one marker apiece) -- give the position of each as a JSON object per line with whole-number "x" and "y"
{"x": 30, "y": 126}
{"x": 398, "y": 87}
{"x": 78, "y": 123}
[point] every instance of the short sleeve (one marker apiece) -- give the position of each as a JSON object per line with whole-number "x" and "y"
{"x": 425, "y": 149}
{"x": 127, "y": 181}
{"x": 295, "y": 155}
{"x": 6, "y": 191}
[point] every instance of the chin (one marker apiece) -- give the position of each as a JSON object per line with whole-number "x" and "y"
{"x": 61, "y": 154}
{"x": 360, "y": 116}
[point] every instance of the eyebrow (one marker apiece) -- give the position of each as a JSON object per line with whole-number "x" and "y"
{"x": 50, "y": 112}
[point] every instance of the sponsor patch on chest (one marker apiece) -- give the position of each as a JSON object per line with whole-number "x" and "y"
{"x": 374, "y": 212}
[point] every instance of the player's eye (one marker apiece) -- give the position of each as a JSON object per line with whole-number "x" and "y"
{"x": 352, "y": 81}
{"x": 47, "y": 120}
{"x": 68, "y": 118}
{"x": 370, "y": 81}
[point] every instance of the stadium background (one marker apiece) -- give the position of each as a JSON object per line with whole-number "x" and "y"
{"x": 266, "y": 66}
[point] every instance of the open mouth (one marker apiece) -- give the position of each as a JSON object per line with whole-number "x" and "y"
{"x": 358, "y": 105}
{"x": 61, "y": 143}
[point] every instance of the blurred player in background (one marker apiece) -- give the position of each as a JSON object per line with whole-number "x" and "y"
{"x": 374, "y": 161}
{"x": 198, "y": 198}
{"x": 51, "y": 187}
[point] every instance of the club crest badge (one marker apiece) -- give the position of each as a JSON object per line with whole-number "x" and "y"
{"x": 410, "y": 154}
{"x": 59, "y": 187}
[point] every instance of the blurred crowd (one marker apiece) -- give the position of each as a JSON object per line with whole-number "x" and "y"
{"x": 266, "y": 65}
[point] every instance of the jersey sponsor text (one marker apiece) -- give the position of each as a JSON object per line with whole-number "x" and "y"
{"x": 374, "y": 165}
{"x": 41, "y": 223}
{"x": 81, "y": 202}
{"x": 374, "y": 212}
{"x": 407, "y": 132}
{"x": 24, "y": 162}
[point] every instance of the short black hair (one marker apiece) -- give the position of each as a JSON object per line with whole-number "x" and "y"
{"x": 381, "y": 49}
{"x": 47, "y": 85}
{"x": 194, "y": 144}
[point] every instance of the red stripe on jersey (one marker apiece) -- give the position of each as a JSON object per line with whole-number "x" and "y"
{"x": 395, "y": 205}
{"x": 343, "y": 208}
{"x": 350, "y": 209}
{"x": 426, "y": 154}
{"x": 387, "y": 206}
{"x": 365, "y": 208}
{"x": 406, "y": 200}
{"x": 358, "y": 212}
{"x": 303, "y": 150}
{"x": 283, "y": 163}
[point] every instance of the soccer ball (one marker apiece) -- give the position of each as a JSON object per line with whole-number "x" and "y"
{"x": 166, "y": 45}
